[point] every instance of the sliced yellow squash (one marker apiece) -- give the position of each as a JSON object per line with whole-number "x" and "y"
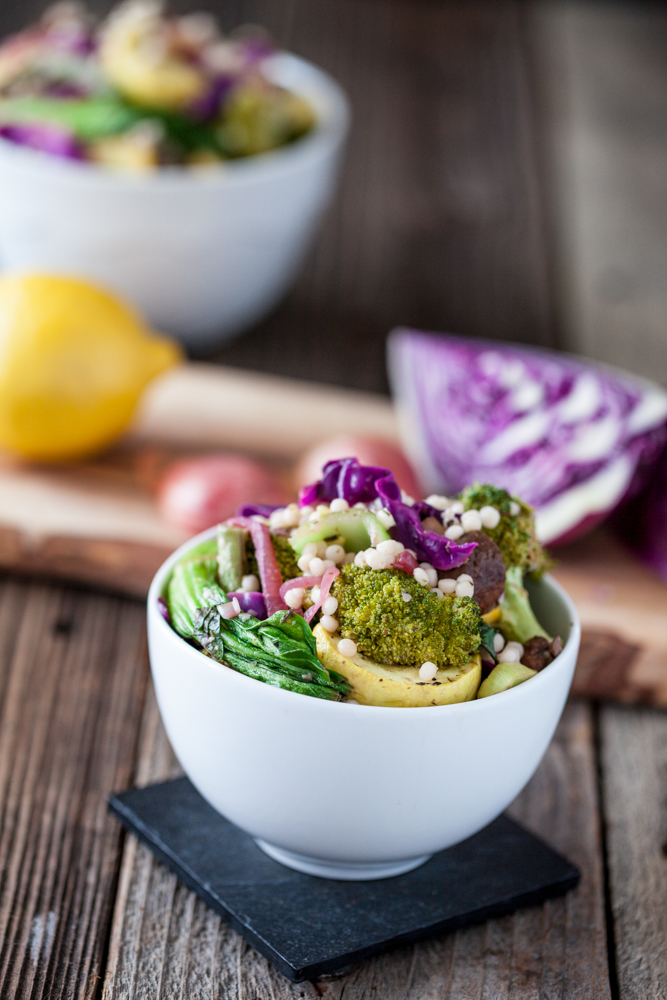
{"x": 397, "y": 687}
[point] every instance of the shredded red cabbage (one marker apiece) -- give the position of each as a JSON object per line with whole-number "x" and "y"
{"x": 346, "y": 478}
{"x": 261, "y": 509}
{"x": 45, "y": 138}
{"x": 164, "y": 609}
{"x": 441, "y": 552}
{"x": 251, "y": 601}
{"x": 356, "y": 483}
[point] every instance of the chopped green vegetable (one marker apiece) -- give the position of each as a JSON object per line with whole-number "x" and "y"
{"x": 193, "y": 586}
{"x": 503, "y": 677}
{"x": 390, "y": 629}
{"x": 487, "y": 635}
{"x": 88, "y": 118}
{"x": 257, "y": 120}
{"x": 231, "y": 557}
{"x": 279, "y": 651}
{"x": 517, "y": 619}
{"x": 285, "y": 557}
{"x": 354, "y": 529}
{"x": 515, "y": 534}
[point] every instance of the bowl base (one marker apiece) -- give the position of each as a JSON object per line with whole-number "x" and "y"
{"x": 345, "y": 870}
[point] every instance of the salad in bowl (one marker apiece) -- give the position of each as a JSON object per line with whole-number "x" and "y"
{"x": 359, "y": 679}
{"x": 140, "y": 90}
{"x": 185, "y": 170}
{"x": 358, "y": 592}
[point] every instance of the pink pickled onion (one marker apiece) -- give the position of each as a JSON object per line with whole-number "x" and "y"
{"x": 405, "y": 561}
{"x": 328, "y": 578}
{"x": 299, "y": 581}
{"x": 269, "y": 571}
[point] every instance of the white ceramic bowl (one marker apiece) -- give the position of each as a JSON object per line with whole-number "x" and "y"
{"x": 344, "y": 790}
{"x": 203, "y": 253}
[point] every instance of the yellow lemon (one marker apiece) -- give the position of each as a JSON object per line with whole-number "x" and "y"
{"x": 397, "y": 687}
{"x": 73, "y": 363}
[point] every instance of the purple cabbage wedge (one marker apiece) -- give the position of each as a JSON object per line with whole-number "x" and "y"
{"x": 347, "y": 479}
{"x": 571, "y": 438}
{"x": 642, "y": 522}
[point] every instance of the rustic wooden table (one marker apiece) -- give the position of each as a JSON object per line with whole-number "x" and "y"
{"x": 478, "y": 126}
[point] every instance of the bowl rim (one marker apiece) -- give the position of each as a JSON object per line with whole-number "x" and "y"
{"x": 333, "y": 118}
{"x": 157, "y": 620}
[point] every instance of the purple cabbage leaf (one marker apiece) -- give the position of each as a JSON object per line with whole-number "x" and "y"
{"x": 569, "y": 437}
{"x": 259, "y": 509}
{"x": 251, "y": 601}
{"x": 642, "y": 522}
{"x": 356, "y": 483}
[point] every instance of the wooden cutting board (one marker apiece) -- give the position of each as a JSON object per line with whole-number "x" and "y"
{"x": 96, "y": 522}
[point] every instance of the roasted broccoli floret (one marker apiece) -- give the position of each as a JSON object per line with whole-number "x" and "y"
{"x": 517, "y": 620}
{"x": 285, "y": 556}
{"x": 395, "y": 620}
{"x": 515, "y": 534}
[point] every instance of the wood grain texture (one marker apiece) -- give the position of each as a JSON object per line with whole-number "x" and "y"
{"x": 437, "y": 221}
{"x": 601, "y": 77}
{"x": 165, "y": 942}
{"x": 634, "y": 775}
{"x": 619, "y": 598}
{"x": 73, "y": 675}
{"x": 556, "y": 950}
{"x": 97, "y": 521}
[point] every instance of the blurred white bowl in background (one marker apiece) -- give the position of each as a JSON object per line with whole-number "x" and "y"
{"x": 203, "y": 253}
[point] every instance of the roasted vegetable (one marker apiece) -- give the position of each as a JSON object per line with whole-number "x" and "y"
{"x": 398, "y": 687}
{"x": 515, "y": 534}
{"x": 395, "y": 620}
{"x": 354, "y": 529}
{"x": 486, "y": 567}
{"x": 503, "y": 677}
{"x": 279, "y": 651}
{"x": 517, "y": 620}
{"x": 285, "y": 558}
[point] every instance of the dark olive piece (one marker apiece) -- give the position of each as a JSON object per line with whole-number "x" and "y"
{"x": 486, "y": 567}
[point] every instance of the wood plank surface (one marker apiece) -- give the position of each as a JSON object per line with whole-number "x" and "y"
{"x": 622, "y": 606}
{"x": 437, "y": 222}
{"x": 600, "y": 74}
{"x": 97, "y": 521}
{"x": 72, "y": 676}
{"x": 165, "y": 942}
{"x": 634, "y": 779}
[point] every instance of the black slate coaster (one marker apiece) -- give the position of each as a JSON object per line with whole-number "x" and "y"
{"x": 310, "y": 926}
